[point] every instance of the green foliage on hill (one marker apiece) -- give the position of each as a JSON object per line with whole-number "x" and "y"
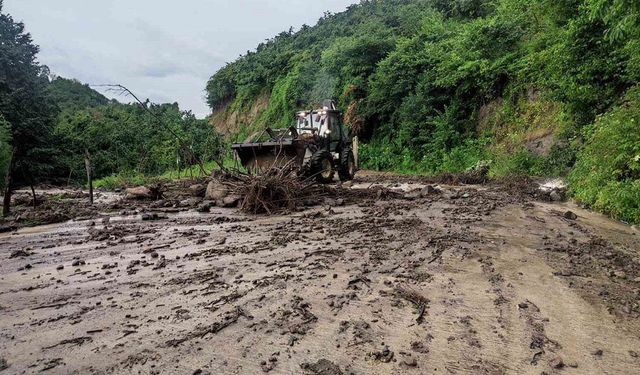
{"x": 439, "y": 85}
{"x": 607, "y": 174}
{"x": 72, "y": 94}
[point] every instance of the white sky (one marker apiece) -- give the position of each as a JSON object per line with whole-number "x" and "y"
{"x": 160, "y": 49}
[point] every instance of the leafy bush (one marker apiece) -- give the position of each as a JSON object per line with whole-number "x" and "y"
{"x": 607, "y": 172}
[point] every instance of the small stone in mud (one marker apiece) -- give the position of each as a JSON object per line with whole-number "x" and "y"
{"x": 292, "y": 340}
{"x": 410, "y": 362}
{"x": 523, "y": 305}
{"x": 570, "y": 215}
{"x": 556, "y": 363}
{"x": 430, "y": 190}
{"x": 205, "y": 207}
{"x": 412, "y": 195}
{"x": 3, "y": 364}
{"x": 150, "y": 217}
{"x": 60, "y": 267}
{"x": 154, "y": 255}
{"x": 386, "y": 355}
{"x": 19, "y": 254}
{"x": 633, "y": 354}
{"x": 322, "y": 367}
{"x": 78, "y": 262}
{"x": 597, "y": 353}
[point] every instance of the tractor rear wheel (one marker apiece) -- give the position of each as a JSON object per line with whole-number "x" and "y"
{"x": 347, "y": 168}
{"x": 321, "y": 166}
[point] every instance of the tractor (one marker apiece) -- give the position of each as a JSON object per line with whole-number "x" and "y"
{"x": 318, "y": 145}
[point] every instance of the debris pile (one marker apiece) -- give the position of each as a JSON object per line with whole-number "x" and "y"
{"x": 274, "y": 190}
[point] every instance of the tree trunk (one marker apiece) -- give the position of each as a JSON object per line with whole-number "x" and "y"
{"x": 6, "y": 204}
{"x": 87, "y": 165}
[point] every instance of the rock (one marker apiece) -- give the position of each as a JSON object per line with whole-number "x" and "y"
{"x": 619, "y": 274}
{"x": 138, "y": 193}
{"x": 556, "y": 362}
{"x": 191, "y": 202}
{"x": 570, "y": 215}
{"x": 556, "y": 196}
{"x": 410, "y": 362}
{"x": 151, "y": 217}
{"x": 205, "y": 206}
{"x": 216, "y": 191}
{"x": 412, "y": 195}
{"x": 78, "y": 262}
{"x": 385, "y": 356}
{"x": 6, "y": 228}
{"x": 198, "y": 190}
{"x": 430, "y": 190}
{"x": 322, "y": 367}
{"x": 231, "y": 201}
{"x": 329, "y": 202}
{"x": 60, "y": 267}
{"x": 19, "y": 254}
{"x": 597, "y": 353}
{"x": 3, "y": 364}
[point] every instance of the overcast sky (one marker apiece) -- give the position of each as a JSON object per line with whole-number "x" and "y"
{"x": 160, "y": 49}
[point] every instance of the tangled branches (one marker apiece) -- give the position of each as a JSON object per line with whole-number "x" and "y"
{"x": 274, "y": 190}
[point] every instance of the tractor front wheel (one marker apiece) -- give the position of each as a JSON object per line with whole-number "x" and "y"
{"x": 321, "y": 166}
{"x": 347, "y": 167}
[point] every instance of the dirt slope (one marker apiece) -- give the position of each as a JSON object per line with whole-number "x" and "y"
{"x": 471, "y": 280}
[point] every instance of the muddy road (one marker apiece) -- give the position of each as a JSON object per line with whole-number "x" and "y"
{"x": 457, "y": 280}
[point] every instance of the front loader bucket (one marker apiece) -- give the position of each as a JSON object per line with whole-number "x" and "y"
{"x": 256, "y": 157}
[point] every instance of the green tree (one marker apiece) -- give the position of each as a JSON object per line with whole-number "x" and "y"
{"x": 24, "y": 105}
{"x": 5, "y": 148}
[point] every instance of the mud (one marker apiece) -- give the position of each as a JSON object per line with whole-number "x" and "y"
{"x": 389, "y": 276}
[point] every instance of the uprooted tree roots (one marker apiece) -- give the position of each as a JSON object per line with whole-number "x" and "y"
{"x": 274, "y": 190}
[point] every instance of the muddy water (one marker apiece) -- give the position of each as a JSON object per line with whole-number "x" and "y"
{"x": 472, "y": 280}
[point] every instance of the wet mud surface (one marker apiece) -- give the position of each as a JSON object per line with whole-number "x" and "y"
{"x": 451, "y": 280}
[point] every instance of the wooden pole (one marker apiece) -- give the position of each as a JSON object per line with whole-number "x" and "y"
{"x": 33, "y": 193}
{"x": 87, "y": 165}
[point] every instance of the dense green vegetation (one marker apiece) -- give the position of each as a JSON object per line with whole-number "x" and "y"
{"x": 607, "y": 175}
{"x": 440, "y": 85}
{"x": 49, "y": 126}
{"x": 130, "y": 139}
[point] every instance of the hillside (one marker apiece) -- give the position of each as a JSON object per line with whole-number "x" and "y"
{"x": 438, "y": 86}
{"x": 72, "y": 94}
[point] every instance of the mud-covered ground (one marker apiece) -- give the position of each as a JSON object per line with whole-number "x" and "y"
{"x": 465, "y": 280}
